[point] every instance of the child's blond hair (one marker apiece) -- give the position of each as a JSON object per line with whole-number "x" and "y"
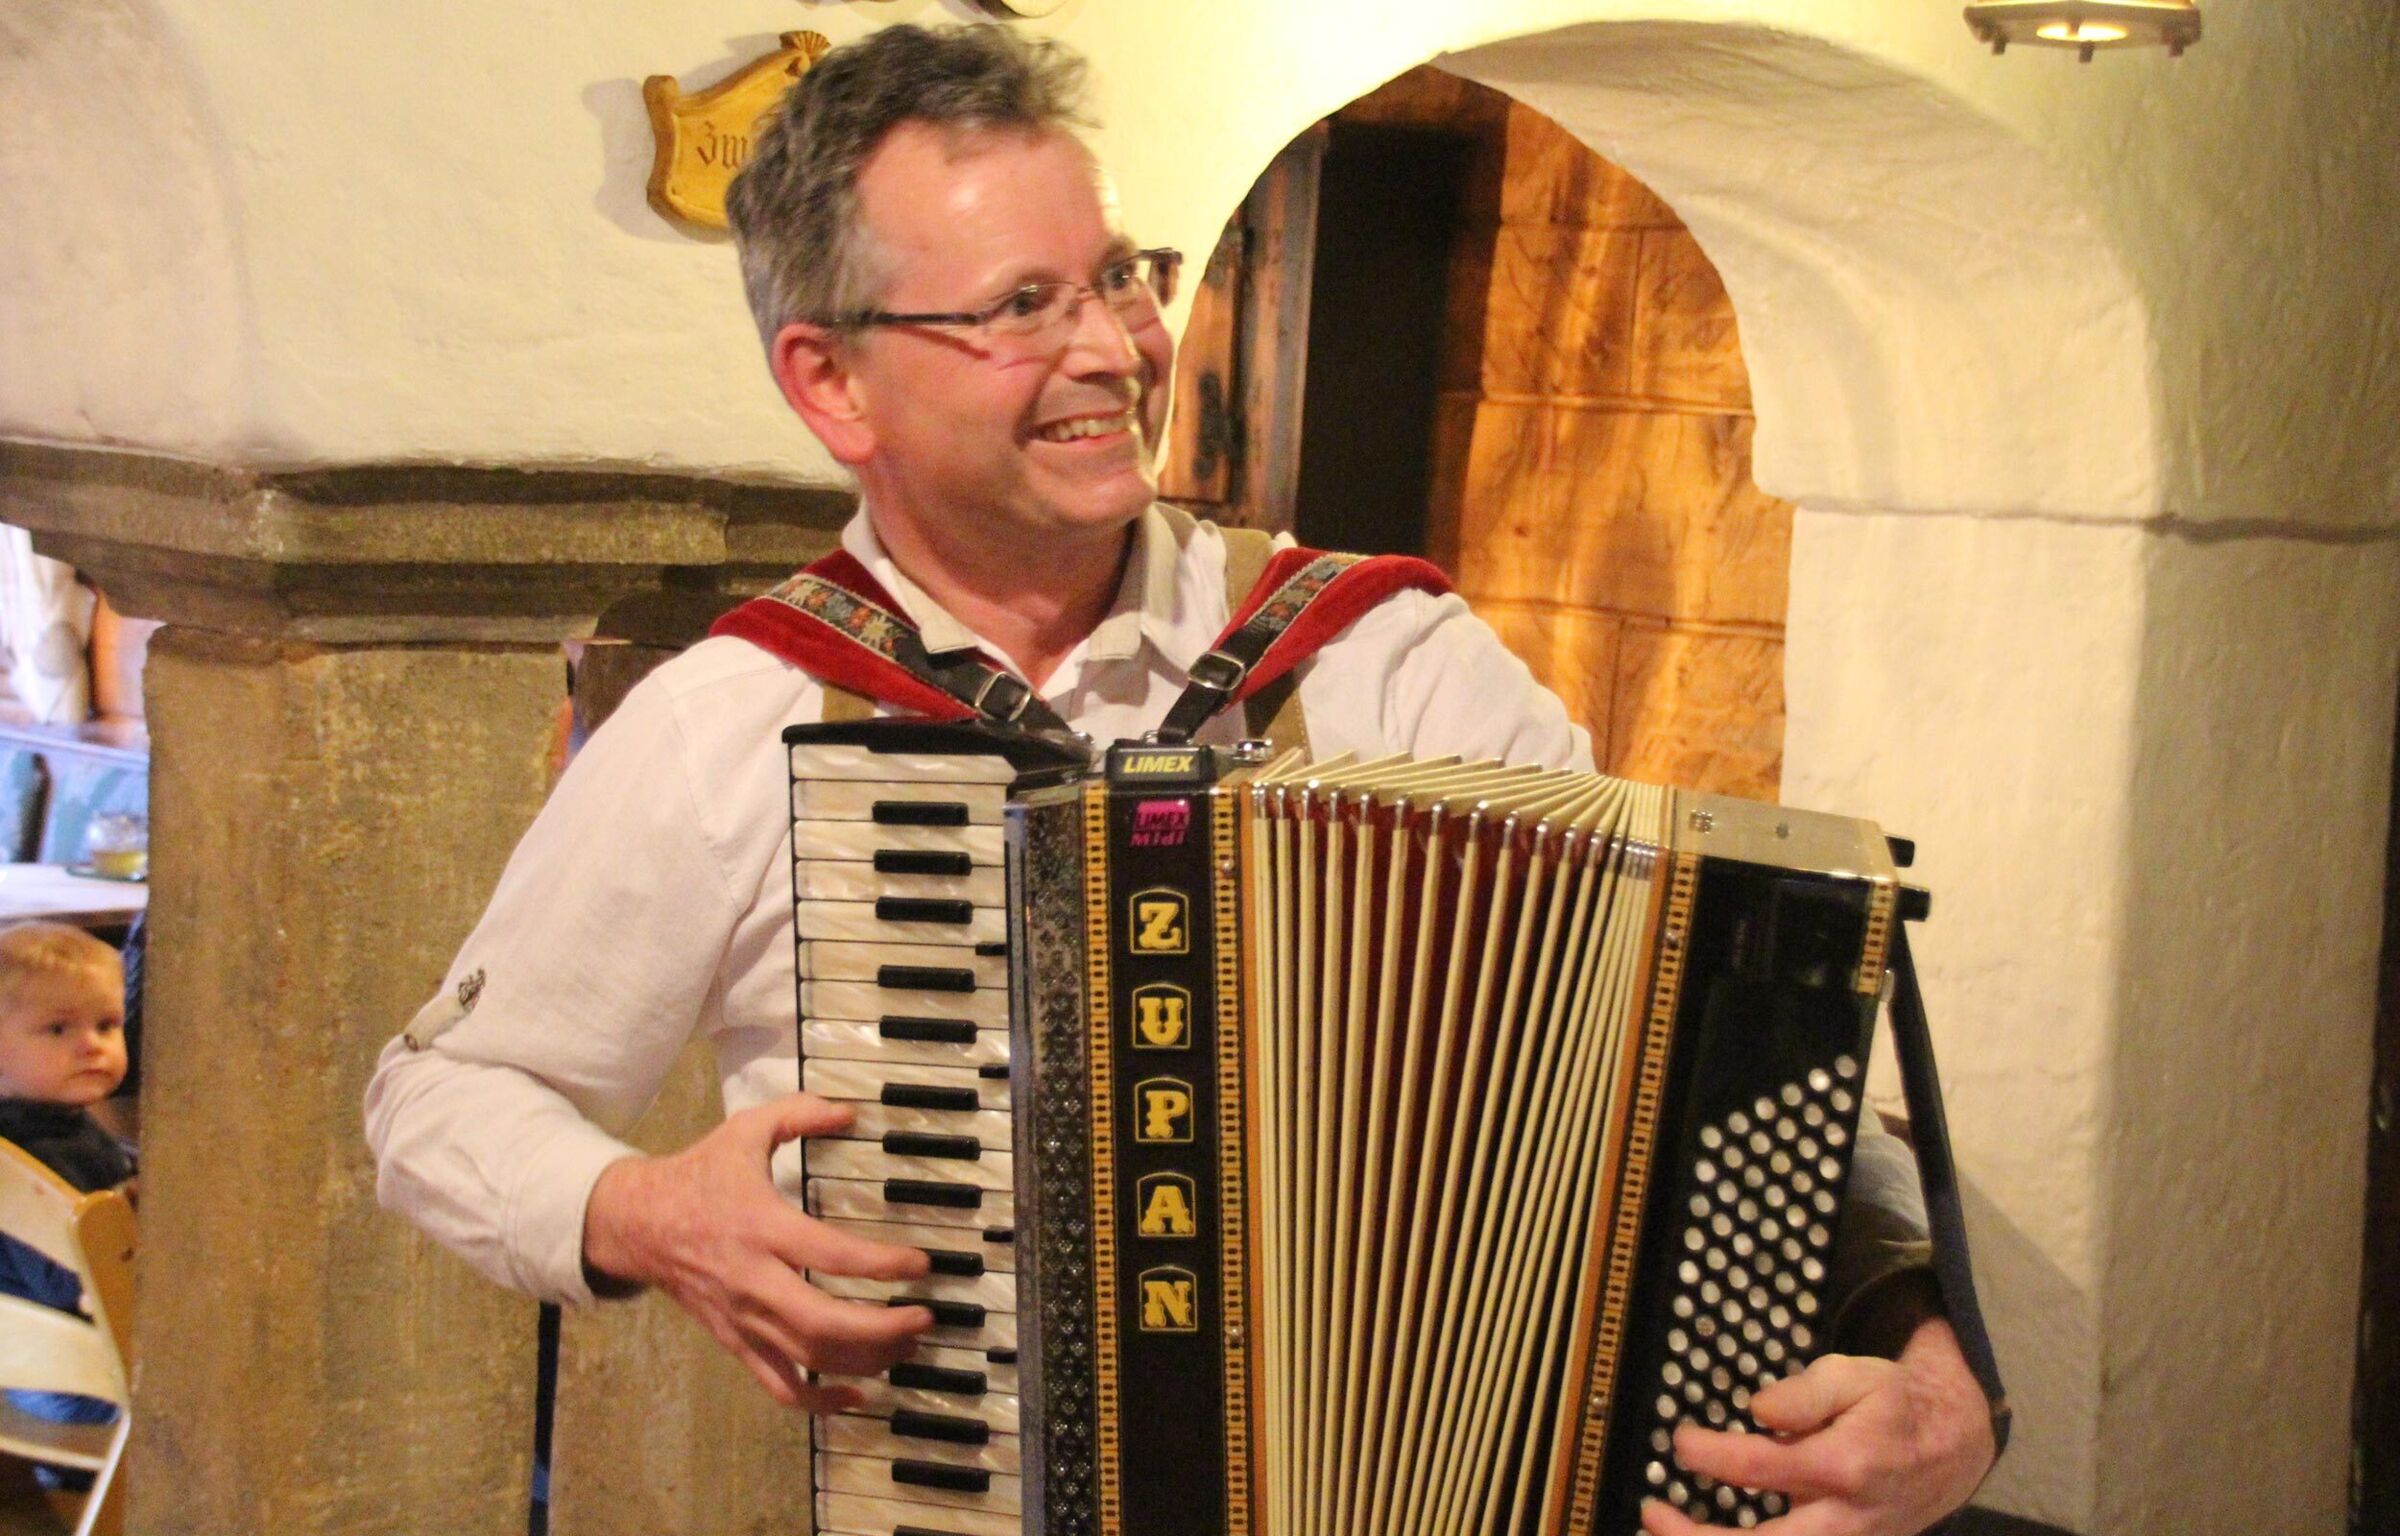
{"x": 33, "y": 950}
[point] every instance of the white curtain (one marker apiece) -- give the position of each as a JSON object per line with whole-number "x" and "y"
{"x": 45, "y": 630}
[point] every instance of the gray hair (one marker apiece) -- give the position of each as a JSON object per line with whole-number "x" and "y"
{"x": 794, "y": 206}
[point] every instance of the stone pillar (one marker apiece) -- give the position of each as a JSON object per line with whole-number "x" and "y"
{"x": 351, "y": 715}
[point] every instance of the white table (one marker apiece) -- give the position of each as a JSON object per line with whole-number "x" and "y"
{"x": 49, "y": 891}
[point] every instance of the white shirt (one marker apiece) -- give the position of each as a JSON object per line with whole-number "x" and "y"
{"x": 651, "y": 900}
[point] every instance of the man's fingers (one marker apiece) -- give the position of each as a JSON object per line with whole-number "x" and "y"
{"x": 1660, "y": 1518}
{"x": 1815, "y": 1397}
{"x": 814, "y": 1244}
{"x": 779, "y": 1376}
{"x": 1746, "y": 1461}
{"x": 789, "y": 1118}
{"x": 828, "y": 1397}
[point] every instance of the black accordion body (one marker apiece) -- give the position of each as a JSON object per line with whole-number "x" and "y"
{"x": 1334, "y": 1149}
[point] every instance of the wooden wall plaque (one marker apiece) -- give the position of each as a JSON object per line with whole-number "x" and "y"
{"x": 705, "y": 137}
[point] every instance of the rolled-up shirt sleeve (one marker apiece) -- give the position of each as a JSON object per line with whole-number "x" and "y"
{"x": 493, "y": 1113}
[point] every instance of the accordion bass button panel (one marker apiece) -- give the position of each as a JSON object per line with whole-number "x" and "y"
{"x": 900, "y": 921}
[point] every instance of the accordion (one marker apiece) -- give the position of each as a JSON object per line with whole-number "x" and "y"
{"x": 1318, "y": 1149}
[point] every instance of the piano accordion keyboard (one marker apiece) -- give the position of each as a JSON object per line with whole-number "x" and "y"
{"x": 903, "y": 975}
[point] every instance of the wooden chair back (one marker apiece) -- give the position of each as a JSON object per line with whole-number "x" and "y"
{"x": 91, "y": 1236}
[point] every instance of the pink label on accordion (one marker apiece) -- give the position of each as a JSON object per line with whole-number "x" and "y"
{"x": 1161, "y": 823}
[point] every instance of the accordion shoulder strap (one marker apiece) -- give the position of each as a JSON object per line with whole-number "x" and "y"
{"x": 1300, "y": 600}
{"x": 1937, "y": 1175}
{"x": 1273, "y": 713}
{"x": 835, "y": 622}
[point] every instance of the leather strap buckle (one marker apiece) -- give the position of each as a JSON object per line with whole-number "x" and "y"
{"x": 1001, "y": 681}
{"x": 1219, "y": 672}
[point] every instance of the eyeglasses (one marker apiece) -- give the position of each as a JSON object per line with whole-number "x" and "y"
{"x": 1135, "y": 287}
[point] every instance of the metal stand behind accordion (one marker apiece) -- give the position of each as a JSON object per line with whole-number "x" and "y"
{"x": 1076, "y": 1418}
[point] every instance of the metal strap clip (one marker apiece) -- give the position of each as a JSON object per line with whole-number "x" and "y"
{"x": 1219, "y": 672}
{"x": 983, "y": 706}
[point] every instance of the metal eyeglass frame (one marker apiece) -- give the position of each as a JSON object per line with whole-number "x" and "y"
{"x": 1165, "y": 264}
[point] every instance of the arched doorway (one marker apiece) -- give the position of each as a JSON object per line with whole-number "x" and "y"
{"x": 1515, "y": 360}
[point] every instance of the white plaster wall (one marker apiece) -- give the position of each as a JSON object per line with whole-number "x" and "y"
{"x": 122, "y": 312}
{"x": 2237, "y": 1077}
{"x": 1970, "y": 684}
{"x": 387, "y": 171}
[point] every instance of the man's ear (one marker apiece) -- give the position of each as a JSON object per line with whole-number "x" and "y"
{"x": 812, "y": 367}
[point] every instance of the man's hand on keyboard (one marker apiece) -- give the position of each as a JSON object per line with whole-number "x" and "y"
{"x": 707, "y": 1226}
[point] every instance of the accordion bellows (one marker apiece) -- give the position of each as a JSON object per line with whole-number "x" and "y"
{"x": 1334, "y": 1149}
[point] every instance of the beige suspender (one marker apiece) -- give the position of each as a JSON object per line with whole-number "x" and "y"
{"x": 842, "y": 706}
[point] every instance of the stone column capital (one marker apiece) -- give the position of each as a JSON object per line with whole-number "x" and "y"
{"x": 393, "y": 553}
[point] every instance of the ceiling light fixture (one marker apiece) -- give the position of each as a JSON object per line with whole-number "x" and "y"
{"x": 2086, "y": 26}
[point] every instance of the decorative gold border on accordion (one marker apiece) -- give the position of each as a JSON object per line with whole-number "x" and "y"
{"x": 1103, "y": 1112}
{"x": 1627, "y": 1200}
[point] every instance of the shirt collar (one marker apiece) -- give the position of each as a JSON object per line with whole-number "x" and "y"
{"x": 1150, "y": 603}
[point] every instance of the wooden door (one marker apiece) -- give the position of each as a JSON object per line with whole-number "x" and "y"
{"x": 1233, "y": 448}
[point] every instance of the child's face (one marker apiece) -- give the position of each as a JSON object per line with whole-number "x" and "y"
{"x": 62, "y": 1039}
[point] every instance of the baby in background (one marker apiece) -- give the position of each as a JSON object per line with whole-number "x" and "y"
{"x": 62, "y": 1049}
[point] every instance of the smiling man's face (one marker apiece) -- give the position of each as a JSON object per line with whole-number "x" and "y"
{"x": 975, "y": 443}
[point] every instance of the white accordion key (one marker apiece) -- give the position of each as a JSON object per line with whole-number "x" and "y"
{"x": 867, "y": 1002}
{"x": 854, "y": 880}
{"x": 904, "y": 1084}
{"x": 925, "y": 1202}
{"x": 886, "y": 803}
{"x": 903, "y": 1041}
{"x": 850, "y": 1515}
{"x": 903, "y": 920}
{"x": 835, "y": 1159}
{"x": 858, "y": 842}
{"x": 874, "y": 1122}
{"x": 830, "y": 760}
{"x": 943, "y": 967}
{"x": 999, "y": 1258}
{"x": 1000, "y": 1410}
{"x": 917, "y": 1481}
{"x": 956, "y": 1440}
{"x": 993, "y": 1293}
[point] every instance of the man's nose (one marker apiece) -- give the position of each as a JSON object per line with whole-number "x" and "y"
{"x": 1099, "y": 340}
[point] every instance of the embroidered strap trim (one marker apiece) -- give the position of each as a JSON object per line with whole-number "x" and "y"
{"x": 1301, "y": 601}
{"x": 835, "y": 622}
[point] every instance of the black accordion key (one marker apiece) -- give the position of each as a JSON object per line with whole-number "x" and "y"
{"x": 925, "y": 978}
{"x": 1001, "y": 1356}
{"x": 958, "y": 1149}
{"x": 909, "y": 1424}
{"x": 1002, "y": 1235}
{"x": 923, "y": 909}
{"x": 919, "y": 1530}
{"x": 954, "y": 1197}
{"x": 946, "y": 1314}
{"x": 992, "y": 949}
{"x": 919, "y": 813}
{"x": 993, "y": 1072}
{"x": 900, "y": 1026}
{"x": 929, "y": 1096}
{"x": 938, "y": 1378}
{"x": 949, "y": 1261}
{"x": 919, "y": 861}
{"x": 932, "y": 1474}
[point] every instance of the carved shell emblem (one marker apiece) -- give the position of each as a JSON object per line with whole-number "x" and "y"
{"x": 705, "y": 137}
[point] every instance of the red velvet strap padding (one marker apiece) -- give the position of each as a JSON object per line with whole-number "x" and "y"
{"x": 1327, "y": 594}
{"x": 838, "y": 643}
